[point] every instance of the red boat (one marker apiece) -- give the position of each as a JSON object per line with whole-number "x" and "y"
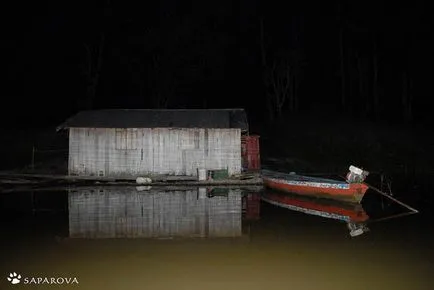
{"x": 351, "y": 190}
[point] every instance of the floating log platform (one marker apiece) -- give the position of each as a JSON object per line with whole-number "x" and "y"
{"x": 25, "y": 181}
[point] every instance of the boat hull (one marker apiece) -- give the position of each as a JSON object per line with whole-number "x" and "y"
{"x": 341, "y": 191}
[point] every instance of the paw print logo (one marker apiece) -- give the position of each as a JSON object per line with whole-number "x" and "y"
{"x": 14, "y": 278}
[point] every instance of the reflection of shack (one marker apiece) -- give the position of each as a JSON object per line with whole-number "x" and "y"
{"x": 124, "y": 212}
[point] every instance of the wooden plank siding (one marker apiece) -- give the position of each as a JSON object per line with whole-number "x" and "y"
{"x": 136, "y": 152}
{"x": 126, "y": 212}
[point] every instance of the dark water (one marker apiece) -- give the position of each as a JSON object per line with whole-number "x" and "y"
{"x": 141, "y": 238}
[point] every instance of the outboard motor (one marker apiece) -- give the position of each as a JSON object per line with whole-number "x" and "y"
{"x": 356, "y": 175}
{"x": 357, "y": 229}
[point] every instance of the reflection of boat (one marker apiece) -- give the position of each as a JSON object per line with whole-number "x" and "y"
{"x": 329, "y": 209}
{"x": 112, "y": 212}
{"x": 353, "y": 214}
{"x": 351, "y": 190}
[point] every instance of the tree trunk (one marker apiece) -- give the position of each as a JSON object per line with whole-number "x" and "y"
{"x": 95, "y": 75}
{"x": 292, "y": 93}
{"x": 376, "y": 101}
{"x": 406, "y": 100}
{"x": 360, "y": 78}
{"x": 295, "y": 92}
{"x": 342, "y": 67}
{"x": 94, "y": 66}
{"x": 262, "y": 42}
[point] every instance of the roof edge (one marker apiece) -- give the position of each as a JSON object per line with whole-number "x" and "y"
{"x": 68, "y": 122}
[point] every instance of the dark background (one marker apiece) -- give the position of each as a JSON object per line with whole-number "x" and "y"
{"x": 62, "y": 57}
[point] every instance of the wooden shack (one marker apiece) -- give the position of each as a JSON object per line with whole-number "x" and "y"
{"x": 116, "y": 143}
{"x": 114, "y": 212}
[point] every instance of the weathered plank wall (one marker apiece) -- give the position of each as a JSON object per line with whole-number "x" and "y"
{"x": 135, "y": 152}
{"x": 125, "y": 212}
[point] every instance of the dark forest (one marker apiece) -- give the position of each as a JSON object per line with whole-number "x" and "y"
{"x": 358, "y": 60}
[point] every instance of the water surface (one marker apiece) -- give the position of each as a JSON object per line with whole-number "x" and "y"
{"x": 197, "y": 238}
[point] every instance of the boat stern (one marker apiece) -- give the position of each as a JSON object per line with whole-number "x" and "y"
{"x": 359, "y": 190}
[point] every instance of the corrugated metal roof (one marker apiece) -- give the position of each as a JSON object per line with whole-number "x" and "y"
{"x": 147, "y": 118}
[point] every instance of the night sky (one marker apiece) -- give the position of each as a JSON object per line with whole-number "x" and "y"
{"x": 209, "y": 54}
